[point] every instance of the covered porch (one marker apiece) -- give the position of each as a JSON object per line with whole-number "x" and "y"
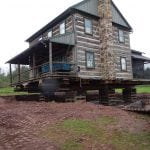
{"x": 46, "y": 58}
{"x": 139, "y": 63}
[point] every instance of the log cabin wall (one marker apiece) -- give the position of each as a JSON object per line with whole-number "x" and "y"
{"x": 55, "y": 30}
{"x": 86, "y": 42}
{"x": 92, "y": 43}
{"x": 122, "y": 50}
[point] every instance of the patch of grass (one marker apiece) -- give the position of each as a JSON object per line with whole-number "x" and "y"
{"x": 143, "y": 117}
{"x": 8, "y": 91}
{"x": 71, "y": 145}
{"x": 75, "y": 134}
{"x": 122, "y": 140}
{"x": 79, "y": 126}
{"x": 105, "y": 121}
{"x": 142, "y": 89}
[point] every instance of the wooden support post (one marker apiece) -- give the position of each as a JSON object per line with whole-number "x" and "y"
{"x": 129, "y": 94}
{"x": 33, "y": 67}
{"x": 106, "y": 95}
{"x": 50, "y": 59}
{"x": 10, "y": 72}
{"x": 19, "y": 73}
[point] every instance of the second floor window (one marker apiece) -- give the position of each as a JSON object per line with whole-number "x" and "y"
{"x": 121, "y": 36}
{"x": 50, "y": 34}
{"x": 123, "y": 64}
{"x": 62, "y": 28}
{"x": 88, "y": 26}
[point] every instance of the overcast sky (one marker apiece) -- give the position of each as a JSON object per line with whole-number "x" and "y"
{"x": 21, "y": 18}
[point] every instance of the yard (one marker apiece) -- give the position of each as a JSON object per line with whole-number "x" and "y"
{"x": 10, "y": 91}
{"x": 70, "y": 126}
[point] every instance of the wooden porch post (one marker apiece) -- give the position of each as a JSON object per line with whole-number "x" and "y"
{"x": 19, "y": 75}
{"x": 50, "y": 58}
{"x": 33, "y": 67}
{"x": 10, "y": 71}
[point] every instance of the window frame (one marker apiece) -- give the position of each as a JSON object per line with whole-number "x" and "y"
{"x": 51, "y": 34}
{"x": 64, "y": 28}
{"x": 85, "y": 26}
{"x": 119, "y": 36}
{"x": 86, "y": 54}
{"x": 123, "y": 70}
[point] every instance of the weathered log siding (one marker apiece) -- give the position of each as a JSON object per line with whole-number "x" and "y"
{"x": 86, "y": 42}
{"x": 55, "y": 30}
{"x": 122, "y": 50}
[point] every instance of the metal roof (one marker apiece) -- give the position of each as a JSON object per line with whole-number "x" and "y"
{"x": 136, "y": 52}
{"x": 86, "y": 6}
{"x": 146, "y": 59}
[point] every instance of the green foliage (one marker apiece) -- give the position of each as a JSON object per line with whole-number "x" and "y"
{"x": 5, "y": 78}
{"x": 147, "y": 73}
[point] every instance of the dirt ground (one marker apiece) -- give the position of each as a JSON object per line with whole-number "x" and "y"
{"x": 21, "y": 122}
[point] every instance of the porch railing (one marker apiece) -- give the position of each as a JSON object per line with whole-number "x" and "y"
{"x": 41, "y": 71}
{"x": 141, "y": 76}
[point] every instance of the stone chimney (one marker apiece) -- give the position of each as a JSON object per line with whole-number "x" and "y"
{"x": 107, "y": 56}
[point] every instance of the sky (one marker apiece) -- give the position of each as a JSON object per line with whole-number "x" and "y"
{"x": 19, "y": 19}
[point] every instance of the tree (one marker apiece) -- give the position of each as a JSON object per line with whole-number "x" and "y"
{"x": 147, "y": 73}
{"x": 5, "y": 78}
{"x": 24, "y": 73}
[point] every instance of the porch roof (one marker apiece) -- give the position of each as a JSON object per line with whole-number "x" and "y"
{"x": 24, "y": 57}
{"x": 140, "y": 57}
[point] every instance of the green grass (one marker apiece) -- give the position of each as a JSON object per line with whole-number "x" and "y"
{"x": 8, "y": 91}
{"x": 76, "y": 134}
{"x": 71, "y": 145}
{"x": 145, "y": 89}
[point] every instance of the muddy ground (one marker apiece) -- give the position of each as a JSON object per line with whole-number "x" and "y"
{"x": 22, "y": 122}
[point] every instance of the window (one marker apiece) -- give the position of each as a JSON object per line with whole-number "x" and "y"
{"x": 90, "y": 60}
{"x": 121, "y": 36}
{"x": 49, "y": 34}
{"x": 62, "y": 28}
{"x": 88, "y": 26}
{"x": 123, "y": 64}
